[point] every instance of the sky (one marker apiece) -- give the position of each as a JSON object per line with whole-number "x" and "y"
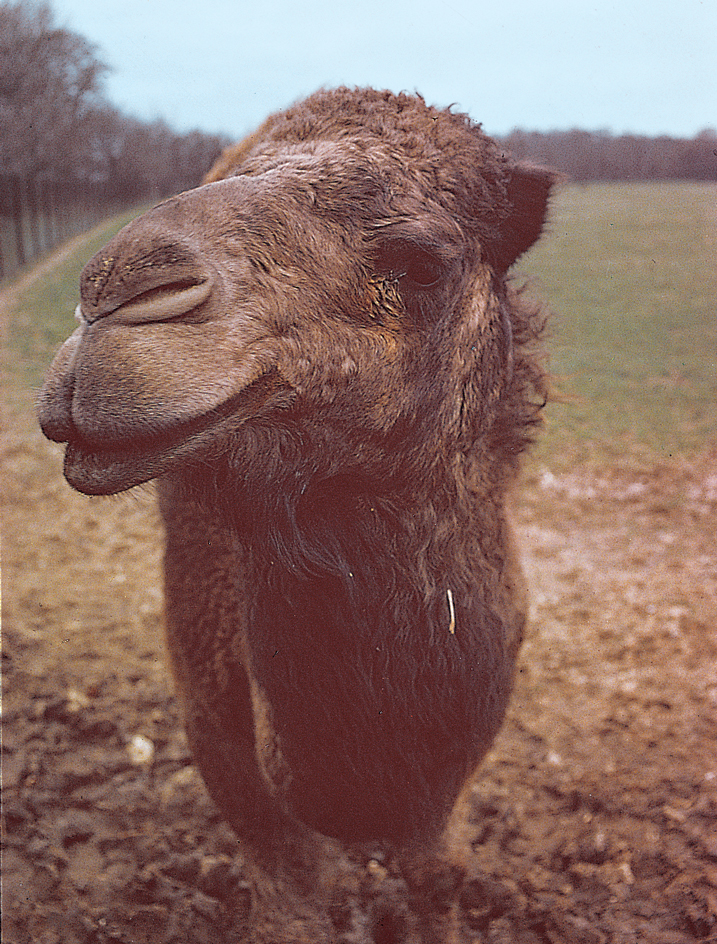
{"x": 636, "y": 66}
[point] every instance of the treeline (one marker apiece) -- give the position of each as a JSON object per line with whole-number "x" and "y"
{"x": 585, "y": 156}
{"x": 56, "y": 123}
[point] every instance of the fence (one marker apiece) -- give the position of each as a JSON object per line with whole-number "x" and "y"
{"x": 37, "y": 215}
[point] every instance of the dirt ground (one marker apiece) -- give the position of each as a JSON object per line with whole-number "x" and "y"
{"x": 595, "y": 815}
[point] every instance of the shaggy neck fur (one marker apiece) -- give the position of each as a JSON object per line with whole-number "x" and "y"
{"x": 349, "y": 567}
{"x": 331, "y": 590}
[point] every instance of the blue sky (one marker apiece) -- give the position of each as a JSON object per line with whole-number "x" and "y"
{"x": 641, "y": 66}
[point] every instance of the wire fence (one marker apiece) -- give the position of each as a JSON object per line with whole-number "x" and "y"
{"x": 37, "y": 215}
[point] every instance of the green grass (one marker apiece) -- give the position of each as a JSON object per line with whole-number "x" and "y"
{"x": 42, "y": 314}
{"x": 629, "y": 274}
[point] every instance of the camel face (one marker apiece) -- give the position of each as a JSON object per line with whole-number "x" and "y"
{"x": 318, "y": 269}
{"x": 232, "y": 300}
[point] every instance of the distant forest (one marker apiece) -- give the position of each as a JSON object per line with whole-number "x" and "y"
{"x": 587, "y": 155}
{"x": 56, "y": 124}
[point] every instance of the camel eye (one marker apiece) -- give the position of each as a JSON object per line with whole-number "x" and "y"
{"x": 423, "y": 270}
{"x": 405, "y": 260}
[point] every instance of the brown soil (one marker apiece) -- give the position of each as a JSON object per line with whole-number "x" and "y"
{"x": 595, "y": 816}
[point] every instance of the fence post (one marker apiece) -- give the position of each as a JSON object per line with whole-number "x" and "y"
{"x": 17, "y": 193}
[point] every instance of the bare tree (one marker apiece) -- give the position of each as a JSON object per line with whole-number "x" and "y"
{"x": 50, "y": 84}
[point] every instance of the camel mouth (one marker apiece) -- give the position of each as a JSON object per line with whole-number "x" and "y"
{"x": 94, "y": 472}
{"x": 103, "y": 468}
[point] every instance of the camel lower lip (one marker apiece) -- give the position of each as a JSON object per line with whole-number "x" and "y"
{"x": 105, "y": 472}
{"x": 98, "y": 469}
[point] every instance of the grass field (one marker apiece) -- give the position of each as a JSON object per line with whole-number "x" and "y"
{"x": 629, "y": 274}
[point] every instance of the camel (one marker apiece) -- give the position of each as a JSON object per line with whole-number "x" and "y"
{"x": 319, "y": 356}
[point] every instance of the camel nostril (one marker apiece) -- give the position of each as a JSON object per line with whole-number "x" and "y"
{"x": 160, "y": 303}
{"x": 155, "y": 300}
{"x": 144, "y": 275}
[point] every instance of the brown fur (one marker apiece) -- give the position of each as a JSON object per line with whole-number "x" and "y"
{"x": 318, "y": 355}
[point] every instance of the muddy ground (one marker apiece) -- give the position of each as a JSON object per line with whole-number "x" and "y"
{"x": 595, "y": 816}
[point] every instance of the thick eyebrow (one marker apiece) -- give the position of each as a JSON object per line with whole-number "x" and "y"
{"x": 432, "y": 233}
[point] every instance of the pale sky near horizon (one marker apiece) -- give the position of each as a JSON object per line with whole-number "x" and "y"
{"x": 639, "y": 66}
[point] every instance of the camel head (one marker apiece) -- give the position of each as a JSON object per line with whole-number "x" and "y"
{"x": 348, "y": 270}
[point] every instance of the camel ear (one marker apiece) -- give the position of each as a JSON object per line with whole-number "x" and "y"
{"x": 528, "y": 191}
